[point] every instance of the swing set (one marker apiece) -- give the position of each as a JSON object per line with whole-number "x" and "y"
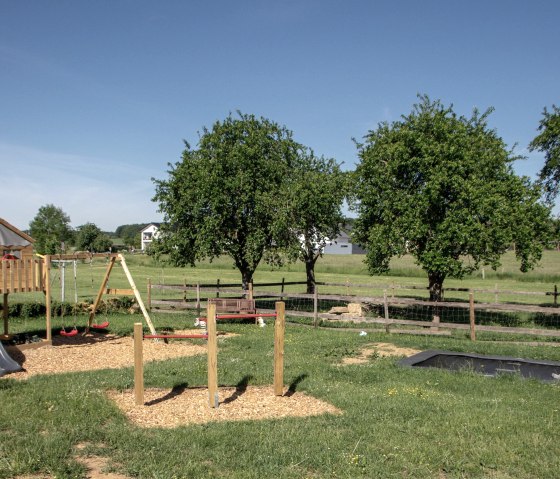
{"x": 63, "y": 260}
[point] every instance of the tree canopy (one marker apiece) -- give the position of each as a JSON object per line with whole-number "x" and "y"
{"x": 315, "y": 195}
{"x": 224, "y": 197}
{"x": 90, "y": 238}
{"x": 441, "y": 187}
{"x": 548, "y": 142}
{"x": 50, "y": 228}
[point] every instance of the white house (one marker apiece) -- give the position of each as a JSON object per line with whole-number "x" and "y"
{"x": 148, "y": 234}
{"x": 342, "y": 244}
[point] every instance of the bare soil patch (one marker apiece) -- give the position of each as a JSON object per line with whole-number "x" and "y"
{"x": 98, "y": 351}
{"x": 178, "y": 407}
{"x": 381, "y": 350}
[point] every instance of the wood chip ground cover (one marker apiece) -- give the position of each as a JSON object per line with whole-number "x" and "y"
{"x": 379, "y": 349}
{"x": 166, "y": 409}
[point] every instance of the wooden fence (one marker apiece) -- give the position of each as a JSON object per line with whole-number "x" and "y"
{"x": 21, "y": 276}
{"x": 389, "y": 306}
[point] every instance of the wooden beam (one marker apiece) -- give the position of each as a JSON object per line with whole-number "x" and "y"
{"x": 102, "y": 289}
{"x": 279, "y": 329}
{"x": 138, "y": 365}
{"x": 48, "y": 296}
{"x": 137, "y": 294}
{"x": 212, "y": 356}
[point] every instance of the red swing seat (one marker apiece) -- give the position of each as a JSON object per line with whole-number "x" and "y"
{"x": 68, "y": 334}
{"x": 104, "y": 325}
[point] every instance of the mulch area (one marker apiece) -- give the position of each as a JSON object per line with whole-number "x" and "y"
{"x": 178, "y": 407}
{"x": 97, "y": 351}
{"x": 164, "y": 408}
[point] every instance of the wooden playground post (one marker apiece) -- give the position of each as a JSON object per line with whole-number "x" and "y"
{"x": 138, "y": 365}
{"x": 279, "y": 328}
{"x": 212, "y": 356}
{"x": 5, "y": 313}
{"x": 48, "y": 296}
{"x": 100, "y": 292}
{"x": 471, "y": 316}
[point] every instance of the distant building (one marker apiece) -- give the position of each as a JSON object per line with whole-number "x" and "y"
{"x": 14, "y": 241}
{"x": 148, "y": 234}
{"x": 342, "y": 244}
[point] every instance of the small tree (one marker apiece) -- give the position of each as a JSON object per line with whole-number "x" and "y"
{"x": 315, "y": 196}
{"x": 90, "y": 238}
{"x": 441, "y": 187}
{"x": 548, "y": 142}
{"x": 224, "y": 197}
{"x": 51, "y": 229}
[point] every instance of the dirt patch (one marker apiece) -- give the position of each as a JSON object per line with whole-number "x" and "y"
{"x": 166, "y": 409}
{"x": 95, "y": 465}
{"x": 99, "y": 351}
{"x": 381, "y": 350}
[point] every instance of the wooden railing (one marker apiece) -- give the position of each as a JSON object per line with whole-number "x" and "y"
{"x": 21, "y": 276}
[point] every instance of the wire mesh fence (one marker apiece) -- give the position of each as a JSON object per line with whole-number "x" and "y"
{"x": 390, "y": 306}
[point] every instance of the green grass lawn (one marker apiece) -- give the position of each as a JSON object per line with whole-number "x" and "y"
{"x": 396, "y": 422}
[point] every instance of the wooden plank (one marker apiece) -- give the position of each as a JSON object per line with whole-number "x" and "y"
{"x": 136, "y": 294}
{"x": 279, "y": 329}
{"x": 48, "y": 296}
{"x": 119, "y": 292}
{"x": 5, "y": 311}
{"x": 212, "y": 356}
{"x": 102, "y": 289}
{"x": 138, "y": 365}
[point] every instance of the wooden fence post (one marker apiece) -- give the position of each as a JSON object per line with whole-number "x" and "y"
{"x": 282, "y": 287}
{"x": 496, "y": 293}
{"x": 198, "y": 300}
{"x": 218, "y": 288}
{"x": 386, "y": 309}
{"x": 149, "y": 299}
{"x": 471, "y": 316}
{"x": 251, "y": 291}
{"x": 279, "y": 329}
{"x": 213, "y": 398}
{"x": 555, "y": 296}
{"x": 138, "y": 365}
{"x": 315, "y": 306}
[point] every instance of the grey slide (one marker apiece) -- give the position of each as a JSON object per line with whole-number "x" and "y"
{"x": 7, "y": 364}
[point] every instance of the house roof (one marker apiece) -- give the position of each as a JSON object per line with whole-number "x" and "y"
{"x": 157, "y": 225}
{"x": 13, "y": 237}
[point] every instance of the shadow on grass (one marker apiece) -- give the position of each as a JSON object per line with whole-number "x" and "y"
{"x": 294, "y": 384}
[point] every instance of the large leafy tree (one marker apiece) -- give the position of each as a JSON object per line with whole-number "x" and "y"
{"x": 548, "y": 142}
{"x": 315, "y": 197}
{"x": 441, "y": 187}
{"x": 224, "y": 197}
{"x": 51, "y": 229}
{"x": 90, "y": 238}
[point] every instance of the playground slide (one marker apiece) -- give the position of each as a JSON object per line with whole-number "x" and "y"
{"x": 7, "y": 364}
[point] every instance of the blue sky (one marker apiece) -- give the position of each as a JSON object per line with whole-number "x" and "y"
{"x": 96, "y": 97}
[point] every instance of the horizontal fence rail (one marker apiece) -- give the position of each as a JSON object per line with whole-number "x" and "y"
{"x": 385, "y": 308}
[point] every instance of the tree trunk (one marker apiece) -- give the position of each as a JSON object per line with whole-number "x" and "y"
{"x": 246, "y": 278}
{"x": 436, "y": 286}
{"x": 310, "y": 271}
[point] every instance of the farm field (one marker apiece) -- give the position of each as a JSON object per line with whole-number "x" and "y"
{"x": 392, "y": 421}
